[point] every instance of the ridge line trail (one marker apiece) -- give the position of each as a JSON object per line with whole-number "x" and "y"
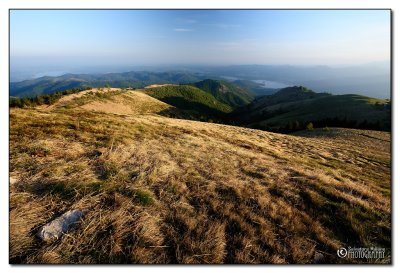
{"x": 70, "y": 97}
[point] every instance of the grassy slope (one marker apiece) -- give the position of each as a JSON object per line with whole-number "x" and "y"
{"x": 225, "y": 92}
{"x": 112, "y": 100}
{"x": 163, "y": 190}
{"x": 354, "y": 107}
{"x": 276, "y": 111}
{"x": 189, "y": 98}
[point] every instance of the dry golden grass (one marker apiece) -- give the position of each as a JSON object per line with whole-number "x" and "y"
{"x": 159, "y": 85}
{"x": 162, "y": 190}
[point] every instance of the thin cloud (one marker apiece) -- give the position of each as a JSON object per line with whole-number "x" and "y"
{"x": 183, "y": 29}
{"x": 223, "y": 26}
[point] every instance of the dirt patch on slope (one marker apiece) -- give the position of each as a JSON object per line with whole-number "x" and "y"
{"x": 159, "y": 85}
{"x": 129, "y": 103}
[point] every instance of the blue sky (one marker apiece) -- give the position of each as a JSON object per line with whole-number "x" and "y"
{"x": 157, "y": 37}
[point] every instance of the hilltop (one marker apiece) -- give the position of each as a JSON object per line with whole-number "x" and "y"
{"x": 112, "y": 100}
{"x": 292, "y": 108}
{"x": 164, "y": 190}
{"x": 197, "y": 103}
{"x": 225, "y": 92}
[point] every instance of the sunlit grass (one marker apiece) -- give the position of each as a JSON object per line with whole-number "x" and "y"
{"x": 162, "y": 190}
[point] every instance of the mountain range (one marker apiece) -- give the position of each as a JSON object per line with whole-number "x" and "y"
{"x": 135, "y": 79}
{"x": 289, "y": 109}
{"x": 286, "y": 110}
{"x": 372, "y": 80}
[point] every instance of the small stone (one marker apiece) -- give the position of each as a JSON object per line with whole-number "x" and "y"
{"x": 318, "y": 258}
{"x": 56, "y": 228}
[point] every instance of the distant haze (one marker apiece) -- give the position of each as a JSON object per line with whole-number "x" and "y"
{"x": 55, "y": 42}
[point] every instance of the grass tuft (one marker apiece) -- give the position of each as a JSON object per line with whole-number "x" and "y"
{"x": 109, "y": 169}
{"x": 144, "y": 197}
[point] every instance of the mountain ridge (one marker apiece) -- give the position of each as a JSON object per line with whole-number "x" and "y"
{"x": 225, "y": 92}
{"x": 289, "y": 109}
{"x": 134, "y": 79}
{"x": 293, "y": 108}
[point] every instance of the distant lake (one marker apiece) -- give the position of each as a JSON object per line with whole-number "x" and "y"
{"x": 229, "y": 78}
{"x": 271, "y": 84}
{"x": 265, "y": 83}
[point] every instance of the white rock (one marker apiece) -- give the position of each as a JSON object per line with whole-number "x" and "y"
{"x": 13, "y": 180}
{"x": 56, "y": 228}
{"x": 319, "y": 258}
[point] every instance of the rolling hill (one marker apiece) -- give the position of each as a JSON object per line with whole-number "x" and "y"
{"x": 287, "y": 110}
{"x": 112, "y": 100}
{"x": 196, "y": 102}
{"x": 155, "y": 189}
{"x": 225, "y": 92}
{"x": 292, "y": 108}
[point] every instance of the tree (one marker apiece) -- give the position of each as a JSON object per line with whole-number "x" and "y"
{"x": 39, "y": 100}
{"x": 25, "y": 102}
{"x": 310, "y": 126}
{"x": 16, "y": 102}
{"x": 296, "y": 125}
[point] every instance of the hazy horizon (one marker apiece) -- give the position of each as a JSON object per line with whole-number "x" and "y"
{"x": 351, "y": 48}
{"x": 22, "y": 72}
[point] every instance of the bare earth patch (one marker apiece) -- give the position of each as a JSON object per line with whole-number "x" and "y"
{"x": 159, "y": 85}
{"x": 132, "y": 103}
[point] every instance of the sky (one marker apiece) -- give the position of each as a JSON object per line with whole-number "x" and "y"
{"x": 199, "y": 37}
